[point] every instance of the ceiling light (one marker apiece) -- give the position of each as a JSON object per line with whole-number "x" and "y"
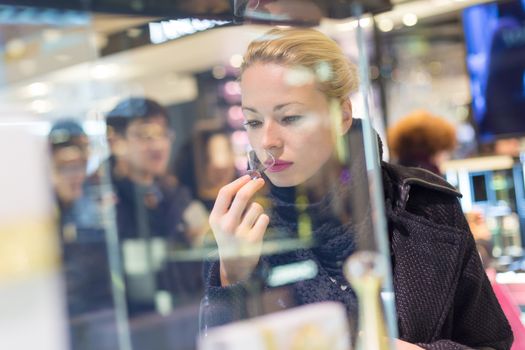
{"x": 385, "y": 24}
{"x": 350, "y": 25}
{"x": 409, "y": 19}
{"x": 104, "y": 71}
{"x": 218, "y": 72}
{"x": 365, "y": 22}
{"x": 38, "y": 89}
{"x": 236, "y": 61}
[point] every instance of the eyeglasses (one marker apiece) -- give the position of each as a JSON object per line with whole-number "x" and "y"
{"x": 71, "y": 169}
{"x": 150, "y": 135}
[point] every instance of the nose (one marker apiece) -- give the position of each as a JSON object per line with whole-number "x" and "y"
{"x": 157, "y": 143}
{"x": 271, "y": 137}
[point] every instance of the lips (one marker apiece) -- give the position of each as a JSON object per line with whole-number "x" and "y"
{"x": 279, "y": 165}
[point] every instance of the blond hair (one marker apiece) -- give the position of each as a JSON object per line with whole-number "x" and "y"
{"x": 421, "y": 132}
{"x": 307, "y": 48}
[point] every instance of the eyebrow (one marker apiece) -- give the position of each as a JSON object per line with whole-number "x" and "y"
{"x": 275, "y": 109}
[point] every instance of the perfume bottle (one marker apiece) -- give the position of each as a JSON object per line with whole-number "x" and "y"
{"x": 366, "y": 270}
{"x": 256, "y": 166}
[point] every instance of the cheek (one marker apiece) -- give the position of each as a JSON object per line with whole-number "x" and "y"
{"x": 318, "y": 142}
{"x": 253, "y": 136}
{"x": 136, "y": 156}
{"x": 139, "y": 152}
{"x": 166, "y": 150}
{"x": 254, "y": 139}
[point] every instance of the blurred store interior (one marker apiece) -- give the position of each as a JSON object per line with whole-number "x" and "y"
{"x": 72, "y": 61}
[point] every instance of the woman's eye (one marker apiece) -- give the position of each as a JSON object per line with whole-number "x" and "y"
{"x": 252, "y": 124}
{"x": 290, "y": 119}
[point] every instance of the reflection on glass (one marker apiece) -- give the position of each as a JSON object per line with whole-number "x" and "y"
{"x": 307, "y": 205}
{"x": 257, "y": 167}
{"x": 276, "y": 242}
{"x": 326, "y": 179}
{"x": 366, "y": 271}
{"x": 68, "y": 143}
{"x": 82, "y": 235}
{"x": 154, "y": 212}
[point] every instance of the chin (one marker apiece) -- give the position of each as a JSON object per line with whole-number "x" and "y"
{"x": 157, "y": 170}
{"x": 282, "y": 182}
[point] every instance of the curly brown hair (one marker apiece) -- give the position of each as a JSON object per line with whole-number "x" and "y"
{"x": 421, "y": 134}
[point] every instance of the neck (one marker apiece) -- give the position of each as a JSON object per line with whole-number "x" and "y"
{"x": 141, "y": 177}
{"x": 323, "y": 182}
{"x": 64, "y": 204}
{"x": 121, "y": 168}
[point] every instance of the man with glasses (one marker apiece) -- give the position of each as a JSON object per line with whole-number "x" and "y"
{"x": 150, "y": 207}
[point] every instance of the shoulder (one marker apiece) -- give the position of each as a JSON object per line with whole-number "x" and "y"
{"x": 182, "y": 193}
{"x": 401, "y": 182}
{"x": 422, "y": 193}
{"x": 176, "y": 195}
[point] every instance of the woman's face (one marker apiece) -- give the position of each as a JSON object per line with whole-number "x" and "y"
{"x": 287, "y": 115}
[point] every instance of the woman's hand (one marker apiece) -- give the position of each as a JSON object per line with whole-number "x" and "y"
{"x": 238, "y": 225}
{"x": 403, "y": 345}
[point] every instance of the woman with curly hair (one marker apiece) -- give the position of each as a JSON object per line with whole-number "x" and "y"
{"x": 421, "y": 139}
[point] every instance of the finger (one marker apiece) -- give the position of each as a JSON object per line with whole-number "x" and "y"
{"x": 226, "y": 195}
{"x": 243, "y": 197}
{"x": 250, "y": 217}
{"x": 259, "y": 229}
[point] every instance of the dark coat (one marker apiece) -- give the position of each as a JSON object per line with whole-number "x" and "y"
{"x": 150, "y": 220}
{"x": 443, "y": 297}
{"x": 85, "y": 263}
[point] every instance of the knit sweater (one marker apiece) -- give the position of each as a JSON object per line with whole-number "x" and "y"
{"x": 443, "y": 297}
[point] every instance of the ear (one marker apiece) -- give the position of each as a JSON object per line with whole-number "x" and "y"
{"x": 346, "y": 121}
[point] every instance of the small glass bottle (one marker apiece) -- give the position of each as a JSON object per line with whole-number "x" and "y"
{"x": 256, "y": 166}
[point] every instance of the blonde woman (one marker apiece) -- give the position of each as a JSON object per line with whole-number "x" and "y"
{"x": 292, "y": 81}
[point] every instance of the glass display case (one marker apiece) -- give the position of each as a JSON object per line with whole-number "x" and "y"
{"x": 139, "y": 121}
{"x": 127, "y": 144}
{"x": 492, "y": 189}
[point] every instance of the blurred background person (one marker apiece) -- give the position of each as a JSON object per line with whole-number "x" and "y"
{"x": 482, "y": 236}
{"x": 69, "y": 152}
{"x": 152, "y": 208}
{"x": 421, "y": 139}
{"x": 82, "y": 236}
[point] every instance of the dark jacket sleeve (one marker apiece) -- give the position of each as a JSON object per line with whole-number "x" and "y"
{"x": 238, "y": 301}
{"x": 220, "y": 305}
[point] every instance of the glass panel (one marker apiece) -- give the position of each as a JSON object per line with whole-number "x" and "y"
{"x": 144, "y": 123}
{"x": 58, "y": 278}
